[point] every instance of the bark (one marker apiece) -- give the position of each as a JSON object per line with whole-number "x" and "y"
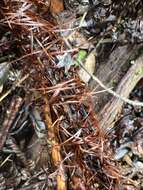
{"x": 112, "y": 109}
{"x": 111, "y": 72}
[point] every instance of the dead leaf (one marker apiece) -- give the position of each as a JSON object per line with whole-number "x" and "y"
{"x": 65, "y": 61}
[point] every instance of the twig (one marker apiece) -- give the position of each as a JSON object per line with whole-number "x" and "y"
{"x": 55, "y": 152}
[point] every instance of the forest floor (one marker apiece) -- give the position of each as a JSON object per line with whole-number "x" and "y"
{"x": 71, "y": 95}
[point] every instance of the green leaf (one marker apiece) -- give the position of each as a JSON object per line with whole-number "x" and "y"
{"x": 89, "y": 66}
{"x": 81, "y": 56}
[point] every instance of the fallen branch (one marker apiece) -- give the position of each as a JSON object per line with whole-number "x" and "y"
{"x": 111, "y": 110}
{"x": 111, "y": 72}
{"x": 139, "y": 72}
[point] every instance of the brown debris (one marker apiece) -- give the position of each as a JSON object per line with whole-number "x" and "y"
{"x": 56, "y": 6}
{"x": 70, "y": 148}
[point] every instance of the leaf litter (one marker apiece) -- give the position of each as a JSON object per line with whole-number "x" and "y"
{"x": 50, "y": 137}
